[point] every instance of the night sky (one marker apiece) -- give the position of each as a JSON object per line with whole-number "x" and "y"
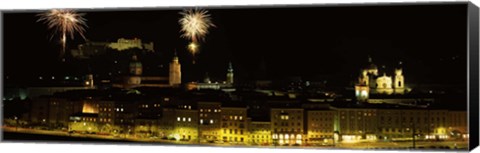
{"x": 309, "y": 41}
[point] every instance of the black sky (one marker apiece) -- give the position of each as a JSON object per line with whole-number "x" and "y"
{"x": 292, "y": 41}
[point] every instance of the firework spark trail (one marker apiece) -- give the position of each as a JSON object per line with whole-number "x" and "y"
{"x": 64, "y": 22}
{"x": 195, "y": 25}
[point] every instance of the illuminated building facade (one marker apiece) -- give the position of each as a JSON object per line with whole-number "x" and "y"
{"x": 106, "y": 115}
{"x": 320, "y": 126}
{"x": 90, "y": 48}
{"x": 147, "y": 117}
{"x": 311, "y": 123}
{"x": 458, "y": 122}
{"x": 374, "y": 81}
{"x": 259, "y": 133}
{"x": 83, "y": 123}
{"x": 209, "y": 121}
{"x": 438, "y": 124}
{"x": 217, "y": 85}
{"x": 167, "y": 123}
{"x": 287, "y": 126}
{"x": 54, "y": 111}
{"x": 234, "y": 125}
{"x": 124, "y": 44}
{"x": 186, "y": 125}
{"x": 357, "y": 124}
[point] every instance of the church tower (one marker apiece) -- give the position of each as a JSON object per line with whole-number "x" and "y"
{"x": 135, "y": 66}
{"x": 230, "y": 73}
{"x": 364, "y": 78}
{"x": 399, "y": 83}
{"x": 175, "y": 75}
{"x": 136, "y": 70}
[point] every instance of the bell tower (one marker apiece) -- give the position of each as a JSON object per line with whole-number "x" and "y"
{"x": 175, "y": 73}
{"x": 230, "y": 73}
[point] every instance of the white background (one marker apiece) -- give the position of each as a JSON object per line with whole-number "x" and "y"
{"x": 83, "y": 148}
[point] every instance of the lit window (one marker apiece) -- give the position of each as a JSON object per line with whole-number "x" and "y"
{"x": 189, "y": 119}
{"x": 201, "y": 110}
{"x": 184, "y": 119}
{"x": 211, "y": 121}
{"x": 241, "y": 117}
{"x": 201, "y": 121}
{"x": 236, "y": 117}
{"x": 178, "y": 118}
{"x": 121, "y": 109}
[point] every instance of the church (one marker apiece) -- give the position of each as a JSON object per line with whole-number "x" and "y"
{"x": 374, "y": 80}
{"x": 136, "y": 79}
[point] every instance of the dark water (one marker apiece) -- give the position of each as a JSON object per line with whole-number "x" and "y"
{"x": 21, "y": 137}
{"x": 40, "y": 138}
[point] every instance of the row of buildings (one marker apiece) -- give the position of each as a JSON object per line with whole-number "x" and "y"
{"x": 199, "y": 121}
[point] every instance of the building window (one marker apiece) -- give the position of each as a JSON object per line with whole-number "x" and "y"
{"x": 211, "y": 121}
{"x": 178, "y": 118}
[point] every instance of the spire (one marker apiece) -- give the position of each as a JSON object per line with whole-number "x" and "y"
{"x": 399, "y": 65}
{"x": 175, "y": 57}
{"x": 230, "y": 67}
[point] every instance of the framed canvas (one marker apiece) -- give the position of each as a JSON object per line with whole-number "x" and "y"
{"x": 400, "y": 76}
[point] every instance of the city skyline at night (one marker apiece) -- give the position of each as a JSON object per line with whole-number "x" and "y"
{"x": 358, "y": 77}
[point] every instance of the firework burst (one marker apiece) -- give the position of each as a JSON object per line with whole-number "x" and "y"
{"x": 64, "y": 22}
{"x": 195, "y": 24}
